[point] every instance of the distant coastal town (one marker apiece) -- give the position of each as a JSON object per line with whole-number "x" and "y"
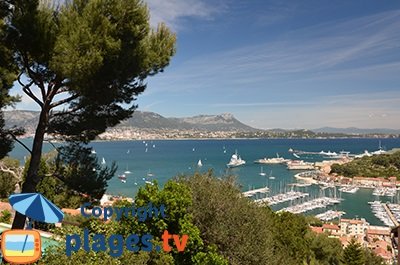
{"x": 159, "y": 134}
{"x": 152, "y": 126}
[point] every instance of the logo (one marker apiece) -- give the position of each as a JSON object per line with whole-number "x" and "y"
{"x": 21, "y": 246}
{"x": 115, "y": 243}
{"x": 24, "y": 246}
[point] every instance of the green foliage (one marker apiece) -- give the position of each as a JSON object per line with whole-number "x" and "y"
{"x": 384, "y": 166}
{"x": 89, "y": 58}
{"x": 77, "y": 220}
{"x": 313, "y": 221}
{"x": 5, "y": 217}
{"x": 325, "y": 250}
{"x": 96, "y": 54}
{"x": 239, "y": 229}
{"x": 353, "y": 254}
{"x": 211, "y": 257}
{"x": 177, "y": 199}
{"x": 81, "y": 171}
{"x": 373, "y": 259}
{"x": 223, "y": 228}
{"x": 66, "y": 175}
{"x": 8, "y": 73}
{"x": 7, "y": 179}
{"x": 290, "y": 232}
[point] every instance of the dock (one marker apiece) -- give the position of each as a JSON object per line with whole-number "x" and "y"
{"x": 283, "y": 197}
{"x": 318, "y": 203}
{"x": 255, "y": 191}
{"x": 390, "y": 214}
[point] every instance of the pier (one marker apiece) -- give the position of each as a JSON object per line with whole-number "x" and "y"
{"x": 390, "y": 215}
{"x": 330, "y": 215}
{"x": 283, "y": 197}
{"x": 311, "y": 205}
{"x": 255, "y": 191}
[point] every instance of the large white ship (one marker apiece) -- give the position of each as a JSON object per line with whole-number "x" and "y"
{"x": 235, "y": 161}
{"x": 274, "y": 160}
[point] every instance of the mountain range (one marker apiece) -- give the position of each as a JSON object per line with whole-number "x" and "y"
{"x": 150, "y": 120}
{"x": 146, "y": 120}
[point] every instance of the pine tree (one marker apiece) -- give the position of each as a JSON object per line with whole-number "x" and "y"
{"x": 353, "y": 254}
{"x": 88, "y": 61}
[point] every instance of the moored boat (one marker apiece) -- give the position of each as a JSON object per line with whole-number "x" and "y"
{"x": 235, "y": 161}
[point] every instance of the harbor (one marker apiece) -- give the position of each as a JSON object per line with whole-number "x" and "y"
{"x": 253, "y": 192}
{"x": 330, "y": 215}
{"x": 173, "y": 158}
{"x": 317, "y": 203}
{"x": 283, "y": 197}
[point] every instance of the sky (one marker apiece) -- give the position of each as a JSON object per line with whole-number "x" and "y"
{"x": 279, "y": 64}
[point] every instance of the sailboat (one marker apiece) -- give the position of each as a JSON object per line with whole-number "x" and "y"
{"x": 380, "y": 150}
{"x": 270, "y": 175}
{"x": 103, "y": 161}
{"x": 261, "y": 172}
{"x": 127, "y": 170}
{"x": 199, "y": 164}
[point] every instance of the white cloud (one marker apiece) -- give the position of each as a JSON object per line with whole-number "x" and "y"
{"x": 172, "y": 12}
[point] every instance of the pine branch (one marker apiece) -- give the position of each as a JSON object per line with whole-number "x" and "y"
{"x": 21, "y": 143}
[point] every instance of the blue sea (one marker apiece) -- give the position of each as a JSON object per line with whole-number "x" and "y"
{"x": 164, "y": 159}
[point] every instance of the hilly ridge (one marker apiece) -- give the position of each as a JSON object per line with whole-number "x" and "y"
{"x": 146, "y": 120}
{"x": 225, "y": 122}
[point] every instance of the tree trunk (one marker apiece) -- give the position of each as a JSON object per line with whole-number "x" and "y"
{"x": 32, "y": 178}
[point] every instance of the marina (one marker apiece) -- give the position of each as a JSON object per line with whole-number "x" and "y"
{"x": 283, "y": 197}
{"x": 382, "y": 212}
{"x": 251, "y": 193}
{"x": 317, "y": 203}
{"x": 349, "y": 189}
{"x": 383, "y": 191}
{"x": 330, "y": 215}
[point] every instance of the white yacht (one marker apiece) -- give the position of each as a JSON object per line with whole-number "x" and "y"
{"x": 236, "y": 161}
{"x": 329, "y": 153}
{"x": 380, "y": 151}
{"x": 199, "y": 163}
{"x": 103, "y": 161}
{"x": 366, "y": 153}
{"x": 149, "y": 174}
{"x": 274, "y": 160}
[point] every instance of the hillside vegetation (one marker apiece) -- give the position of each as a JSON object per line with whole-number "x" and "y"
{"x": 377, "y": 166}
{"x": 223, "y": 227}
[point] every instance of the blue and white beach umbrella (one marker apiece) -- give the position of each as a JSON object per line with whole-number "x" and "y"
{"x": 36, "y": 207}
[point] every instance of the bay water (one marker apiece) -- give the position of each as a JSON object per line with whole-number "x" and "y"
{"x": 161, "y": 160}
